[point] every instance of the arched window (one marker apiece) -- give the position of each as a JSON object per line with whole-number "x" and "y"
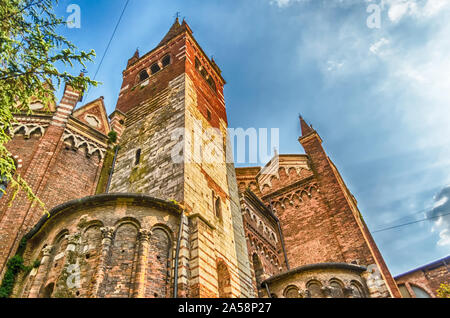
{"x": 336, "y": 289}
{"x": 419, "y": 292}
{"x": 315, "y": 289}
{"x": 218, "y": 207}
{"x": 143, "y": 75}
{"x": 155, "y": 68}
{"x": 358, "y": 291}
{"x": 3, "y": 185}
{"x": 404, "y": 291}
{"x": 224, "y": 280}
{"x": 159, "y": 265}
{"x": 166, "y": 60}
{"x": 291, "y": 292}
{"x": 137, "y": 159}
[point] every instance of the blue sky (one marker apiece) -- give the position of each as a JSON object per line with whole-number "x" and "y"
{"x": 379, "y": 97}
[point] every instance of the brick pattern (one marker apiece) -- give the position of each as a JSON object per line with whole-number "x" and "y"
{"x": 319, "y": 283}
{"x": 54, "y": 172}
{"x": 429, "y": 278}
{"x": 160, "y": 114}
{"x": 102, "y": 244}
{"x": 319, "y": 218}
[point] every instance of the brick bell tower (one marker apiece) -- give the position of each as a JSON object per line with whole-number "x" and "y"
{"x": 172, "y": 127}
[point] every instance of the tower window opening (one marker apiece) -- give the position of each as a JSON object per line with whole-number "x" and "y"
{"x": 218, "y": 208}
{"x": 138, "y": 157}
{"x": 143, "y": 75}
{"x": 197, "y": 64}
{"x": 208, "y": 78}
{"x": 204, "y": 72}
{"x": 211, "y": 83}
{"x": 155, "y": 68}
{"x": 166, "y": 60}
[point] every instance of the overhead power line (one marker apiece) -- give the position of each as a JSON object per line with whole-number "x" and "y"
{"x": 109, "y": 44}
{"x": 409, "y": 223}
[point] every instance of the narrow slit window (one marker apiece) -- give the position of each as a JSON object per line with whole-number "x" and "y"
{"x": 218, "y": 208}
{"x": 138, "y": 157}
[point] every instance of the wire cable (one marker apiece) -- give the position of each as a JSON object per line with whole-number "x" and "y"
{"x": 409, "y": 223}
{"x": 109, "y": 44}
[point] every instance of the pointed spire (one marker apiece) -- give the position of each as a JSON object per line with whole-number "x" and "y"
{"x": 136, "y": 54}
{"x": 306, "y": 129}
{"x": 174, "y": 30}
{"x": 134, "y": 58}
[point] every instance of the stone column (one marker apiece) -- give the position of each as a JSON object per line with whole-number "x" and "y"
{"x": 142, "y": 260}
{"x": 70, "y": 277}
{"x": 42, "y": 272}
{"x": 107, "y": 235}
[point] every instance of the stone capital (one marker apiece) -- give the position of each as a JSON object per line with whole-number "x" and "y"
{"x": 349, "y": 291}
{"x": 144, "y": 235}
{"x": 107, "y": 232}
{"x": 73, "y": 239}
{"x": 47, "y": 251}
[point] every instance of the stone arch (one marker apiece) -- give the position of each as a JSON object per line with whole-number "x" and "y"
{"x": 265, "y": 188}
{"x": 158, "y": 268}
{"x": 56, "y": 261}
{"x": 58, "y": 237}
{"x": 337, "y": 288}
{"x": 358, "y": 289}
{"x": 313, "y": 190}
{"x": 128, "y": 220}
{"x": 304, "y": 195}
{"x": 419, "y": 291}
{"x": 86, "y": 226}
{"x": 291, "y": 291}
{"x": 314, "y": 288}
{"x": 223, "y": 279}
{"x": 119, "y": 277}
{"x": 89, "y": 256}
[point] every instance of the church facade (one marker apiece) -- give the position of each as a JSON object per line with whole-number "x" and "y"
{"x": 147, "y": 203}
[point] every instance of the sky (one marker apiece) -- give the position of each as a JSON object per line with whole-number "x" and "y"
{"x": 377, "y": 93}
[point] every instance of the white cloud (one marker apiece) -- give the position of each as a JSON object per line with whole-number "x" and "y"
{"x": 375, "y": 48}
{"x": 419, "y": 9}
{"x": 285, "y": 3}
{"x": 441, "y": 202}
{"x": 444, "y": 238}
{"x": 441, "y": 209}
{"x": 433, "y": 7}
{"x": 333, "y": 65}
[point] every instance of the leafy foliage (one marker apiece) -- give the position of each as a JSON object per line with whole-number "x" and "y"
{"x": 14, "y": 266}
{"x": 30, "y": 49}
{"x": 444, "y": 291}
{"x": 112, "y": 137}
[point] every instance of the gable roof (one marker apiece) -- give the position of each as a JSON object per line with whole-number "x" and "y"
{"x": 97, "y": 109}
